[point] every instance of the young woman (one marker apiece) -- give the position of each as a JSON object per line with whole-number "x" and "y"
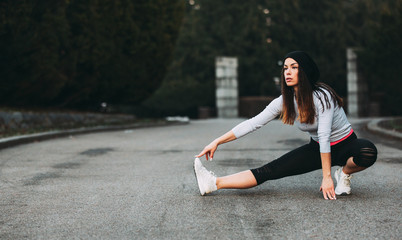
{"x": 316, "y": 109}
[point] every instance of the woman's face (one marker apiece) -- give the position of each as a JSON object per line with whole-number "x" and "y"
{"x": 291, "y": 72}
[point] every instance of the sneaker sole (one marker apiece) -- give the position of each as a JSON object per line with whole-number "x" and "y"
{"x": 343, "y": 194}
{"x": 196, "y": 179}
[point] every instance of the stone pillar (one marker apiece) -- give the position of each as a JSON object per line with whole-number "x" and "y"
{"x": 357, "y": 88}
{"x": 352, "y": 82}
{"x": 226, "y": 87}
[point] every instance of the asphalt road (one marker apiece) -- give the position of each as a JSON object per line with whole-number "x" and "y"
{"x": 139, "y": 184}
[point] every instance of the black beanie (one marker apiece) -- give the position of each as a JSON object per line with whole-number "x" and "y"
{"x": 307, "y": 64}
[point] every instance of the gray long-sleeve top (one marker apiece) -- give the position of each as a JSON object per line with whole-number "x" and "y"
{"x": 330, "y": 124}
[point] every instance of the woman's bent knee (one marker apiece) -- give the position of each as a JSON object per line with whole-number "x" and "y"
{"x": 367, "y": 154}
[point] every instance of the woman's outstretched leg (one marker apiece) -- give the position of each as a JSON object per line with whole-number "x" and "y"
{"x": 208, "y": 182}
{"x": 301, "y": 160}
{"x": 239, "y": 180}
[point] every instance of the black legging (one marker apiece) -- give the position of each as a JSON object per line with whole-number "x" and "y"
{"x": 307, "y": 158}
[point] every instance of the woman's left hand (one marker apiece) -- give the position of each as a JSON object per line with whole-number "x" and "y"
{"x": 327, "y": 188}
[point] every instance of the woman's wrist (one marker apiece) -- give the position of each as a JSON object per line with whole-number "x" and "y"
{"x": 326, "y": 175}
{"x": 216, "y": 141}
{"x": 326, "y": 165}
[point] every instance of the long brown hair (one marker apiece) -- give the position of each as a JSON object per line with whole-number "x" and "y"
{"x": 304, "y": 99}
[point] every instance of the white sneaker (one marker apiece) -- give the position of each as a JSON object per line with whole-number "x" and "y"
{"x": 206, "y": 180}
{"x": 343, "y": 182}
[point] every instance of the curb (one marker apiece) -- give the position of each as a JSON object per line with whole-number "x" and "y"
{"x": 30, "y": 138}
{"x": 374, "y": 127}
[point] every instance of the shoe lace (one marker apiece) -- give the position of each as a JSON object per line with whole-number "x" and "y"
{"x": 346, "y": 180}
{"x": 208, "y": 172}
{"x": 212, "y": 173}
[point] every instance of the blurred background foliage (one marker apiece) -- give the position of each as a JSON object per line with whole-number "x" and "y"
{"x": 157, "y": 58}
{"x": 79, "y": 53}
{"x": 261, "y": 32}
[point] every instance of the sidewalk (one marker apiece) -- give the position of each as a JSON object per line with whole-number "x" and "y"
{"x": 375, "y": 127}
{"x": 28, "y": 138}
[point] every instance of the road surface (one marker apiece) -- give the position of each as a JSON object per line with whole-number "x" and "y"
{"x": 139, "y": 184}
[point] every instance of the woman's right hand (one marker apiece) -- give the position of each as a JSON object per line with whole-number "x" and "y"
{"x": 208, "y": 151}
